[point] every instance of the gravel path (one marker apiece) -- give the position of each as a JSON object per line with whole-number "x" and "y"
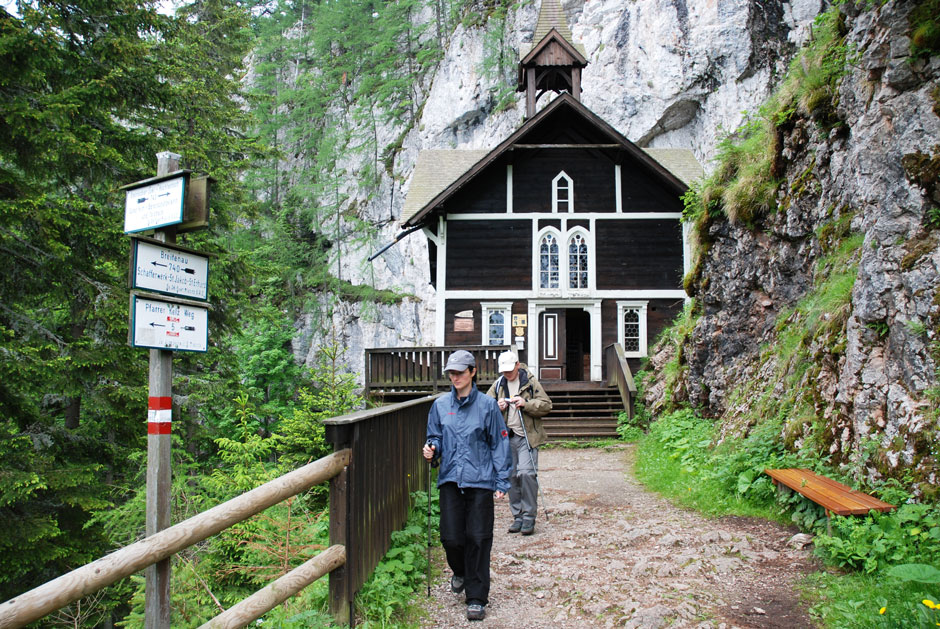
{"x": 616, "y": 555}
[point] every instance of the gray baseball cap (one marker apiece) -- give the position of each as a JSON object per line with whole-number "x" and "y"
{"x": 460, "y": 361}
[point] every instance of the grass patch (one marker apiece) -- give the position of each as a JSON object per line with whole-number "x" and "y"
{"x": 864, "y": 601}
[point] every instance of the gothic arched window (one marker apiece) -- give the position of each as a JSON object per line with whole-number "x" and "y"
{"x": 577, "y": 262}
{"x": 548, "y": 261}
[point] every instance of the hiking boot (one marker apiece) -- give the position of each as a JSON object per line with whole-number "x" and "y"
{"x": 456, "y": 584}
{"x": 516, "y": 526}
{"x": 528, "y": 528}
{"x": 475, "y": 611}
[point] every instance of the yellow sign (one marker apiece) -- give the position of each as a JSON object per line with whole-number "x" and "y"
{"x": 519, "y": 320}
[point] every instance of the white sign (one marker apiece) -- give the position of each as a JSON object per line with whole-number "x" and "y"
{"x": 156, "y": 205}
{"x": 169, "y": 325}
{"x": 169, "y": 270}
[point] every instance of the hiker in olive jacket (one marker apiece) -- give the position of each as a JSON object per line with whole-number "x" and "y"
{"x": 523, "y": 402}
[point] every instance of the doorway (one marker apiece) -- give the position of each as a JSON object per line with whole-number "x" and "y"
{"x": 564, "y": 344}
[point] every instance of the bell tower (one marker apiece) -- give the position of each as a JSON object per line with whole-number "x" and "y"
{"x": 553, "y": 63}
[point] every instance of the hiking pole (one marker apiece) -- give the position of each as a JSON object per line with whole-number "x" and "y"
{"x": 535, "y": 467}
{"x": 431, "y": 463}
{"x": 428, "y": 576}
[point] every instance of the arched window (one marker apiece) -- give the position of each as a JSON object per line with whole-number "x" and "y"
{"x": 562, "y": 193}
{"x": 548, "y": 261}
{"x": 577, "y": 262}
{"x": 631, "y": 330}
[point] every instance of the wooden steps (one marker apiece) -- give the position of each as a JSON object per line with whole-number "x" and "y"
{"x": 583, "y": 410}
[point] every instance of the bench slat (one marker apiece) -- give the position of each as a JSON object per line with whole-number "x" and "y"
{"x": 831, "y": 495}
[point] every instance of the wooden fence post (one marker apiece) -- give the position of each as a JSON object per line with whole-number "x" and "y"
{"x": 341, "y": 591}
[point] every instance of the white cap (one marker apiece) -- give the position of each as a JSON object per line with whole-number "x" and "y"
{"x": 507, "y": 361}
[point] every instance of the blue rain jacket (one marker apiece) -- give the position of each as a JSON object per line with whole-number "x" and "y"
{"x": 471, "y": 438}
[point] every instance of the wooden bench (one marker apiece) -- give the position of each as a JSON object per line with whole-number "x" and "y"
{"x": 832, "y": 496}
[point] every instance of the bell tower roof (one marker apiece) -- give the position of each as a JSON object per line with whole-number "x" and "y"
{"x": 553, "y": 63}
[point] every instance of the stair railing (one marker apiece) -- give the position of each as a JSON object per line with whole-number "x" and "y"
{"x": 619, "y": 374}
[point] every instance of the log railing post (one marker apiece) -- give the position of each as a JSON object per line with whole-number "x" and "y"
{"x": 342, "y": 593}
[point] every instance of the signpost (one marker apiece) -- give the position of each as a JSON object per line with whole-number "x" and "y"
{"x": 172, "y": 322}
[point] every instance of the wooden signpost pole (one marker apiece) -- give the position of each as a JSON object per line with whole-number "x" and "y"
{"x": 159, "y": 422}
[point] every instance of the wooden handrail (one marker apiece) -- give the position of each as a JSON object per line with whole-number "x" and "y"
{"x": 70, "y": 587}
{"x": 272, "y": 595}
{"x": 618, "y": 373}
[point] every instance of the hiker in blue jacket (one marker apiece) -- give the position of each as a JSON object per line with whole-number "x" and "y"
{"x": 467, "y": 433}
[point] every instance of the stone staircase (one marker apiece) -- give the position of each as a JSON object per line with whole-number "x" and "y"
{"x": 582, "y": 410}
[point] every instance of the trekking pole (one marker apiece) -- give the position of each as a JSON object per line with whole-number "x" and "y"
{"x": 535, "y": 467}
{"x": 428, "y": 576}
{"x": 432, "y": 463}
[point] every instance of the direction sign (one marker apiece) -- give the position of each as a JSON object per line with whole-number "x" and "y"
{"x": 169, "y": 325}
{"x": 169, "y": 270}
{"x": 155, "y": 205}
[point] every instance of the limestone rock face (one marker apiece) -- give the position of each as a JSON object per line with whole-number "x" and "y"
{"x": 873, "y": 371}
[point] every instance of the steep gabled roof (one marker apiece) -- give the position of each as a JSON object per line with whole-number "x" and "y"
{"x": 551, "y": 17}
{"x": 435, "y": 170}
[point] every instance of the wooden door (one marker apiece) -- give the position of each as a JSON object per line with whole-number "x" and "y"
{"x": 552, "y": 345}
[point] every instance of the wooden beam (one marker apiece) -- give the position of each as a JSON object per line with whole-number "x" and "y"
{"x": 275, "y": 593}
{"x": 566, "y": 146}
{"x": 81, "y": 582}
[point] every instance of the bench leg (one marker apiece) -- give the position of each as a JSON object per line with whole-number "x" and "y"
{"x": 828, "y": 524}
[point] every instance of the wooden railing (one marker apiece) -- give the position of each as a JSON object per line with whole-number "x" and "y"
{"x": 371, "y": 498}
{"x": 619, "y": 374}
{"x": 375, "y": 466}
{"x": 100, "y": 573}
{"x": 418, "y": 369}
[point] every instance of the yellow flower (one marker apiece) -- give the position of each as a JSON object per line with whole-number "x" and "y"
{"x": 882, "y": 610}
{"x": 929, "y": 603}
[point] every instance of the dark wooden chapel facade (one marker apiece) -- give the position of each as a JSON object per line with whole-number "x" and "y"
{"x": 564, "y": 239}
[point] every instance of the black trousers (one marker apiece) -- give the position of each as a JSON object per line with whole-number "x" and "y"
{"x": 467, "y": 537}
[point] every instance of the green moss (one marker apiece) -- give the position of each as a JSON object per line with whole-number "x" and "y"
{"x": 924, "y": 21}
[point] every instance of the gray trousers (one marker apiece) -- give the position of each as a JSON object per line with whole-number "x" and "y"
{"x": 523, "y": 479}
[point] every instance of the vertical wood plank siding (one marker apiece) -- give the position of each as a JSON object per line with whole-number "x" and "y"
{"x": 639, "y": 255}
{"x": 591, "y": 171}
{"x": 489, "y": 255}
{"x": 373, "y": 497}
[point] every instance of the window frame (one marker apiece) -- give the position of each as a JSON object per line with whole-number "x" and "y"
{"x": 641, "y": 307}
{"x": 490, "y": 307}
{"x": 569, "y": 187}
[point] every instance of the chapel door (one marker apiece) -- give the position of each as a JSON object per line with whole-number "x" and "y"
{"x": 552, "y": 345}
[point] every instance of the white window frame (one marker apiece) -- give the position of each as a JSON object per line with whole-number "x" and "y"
{"x": 490, "y": 307}
{"x": 641, "y": 308}
{"x": 537, "y": 258}
{"x": 578, "y": 231}
{"x": 569, "y": 186}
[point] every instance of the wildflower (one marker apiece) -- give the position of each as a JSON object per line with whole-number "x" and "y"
{"x": 882, "y": 610}
{"x": 929, "y": 603}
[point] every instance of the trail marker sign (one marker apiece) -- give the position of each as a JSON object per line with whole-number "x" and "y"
{"x": 169, "y": 269}
{"x": 169, "y": 325}
{"x": 155, "y": 203}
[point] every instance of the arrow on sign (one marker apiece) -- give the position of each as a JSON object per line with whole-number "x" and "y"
{"x": 156, "y": 325}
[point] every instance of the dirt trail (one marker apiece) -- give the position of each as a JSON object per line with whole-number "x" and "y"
{"x": 615, "y": 555}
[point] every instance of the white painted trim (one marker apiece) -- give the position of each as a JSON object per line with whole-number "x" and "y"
{"x": 487, "y": 307}
{"x": 589, "y": 241}
{"x": 627, "y": 216}
{"x": 570, "y": 201}
{"x": 441, "y": 318}
{"x": 509, "y": 188}
{"x": 537, "y": 259}
{"x": 591, "y": 306}
{"x": 592, "y": 295}
{"x": 618, "y": 188}
{"x": 642, "y": 307}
